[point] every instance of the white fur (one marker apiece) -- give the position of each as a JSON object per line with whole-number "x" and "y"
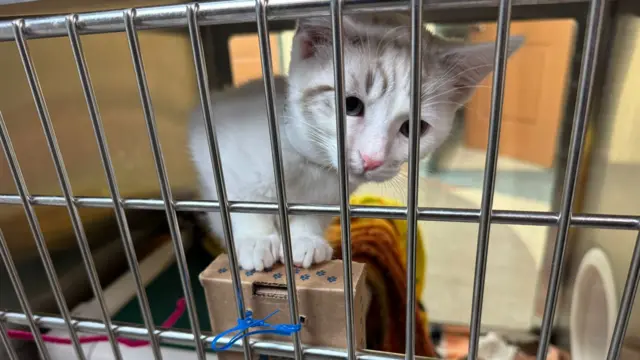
{"x": 308, "y": 137}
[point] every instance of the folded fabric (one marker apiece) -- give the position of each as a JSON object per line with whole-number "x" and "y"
{"x": 381, "y": 244}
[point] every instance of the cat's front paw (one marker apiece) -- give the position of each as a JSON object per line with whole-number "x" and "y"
{"x": 257, "y": 252}
{"x": 308, "y": 249}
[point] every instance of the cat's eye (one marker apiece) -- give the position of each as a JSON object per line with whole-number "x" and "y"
{"x": 404, "y": 129}
{"x": 355, "y": 106}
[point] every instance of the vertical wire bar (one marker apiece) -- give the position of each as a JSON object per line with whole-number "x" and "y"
{"x": 626, "y": 304}
{"x": 121, "y": 219}
{"x": 34, "y": 225}
{"x": 278, "y": 168}
{"x": 490, "y": 167}
{"x": 587, "y": 74}
{"x": 65, "y": 186}
{"x": 165, "y": 189}
{"x": 414, "y": 147}
{"x": 14, "y": 277}
{"x": 345, "y": 216}
{"x": 214, "y": 152}
{"x": 4, "y": 339}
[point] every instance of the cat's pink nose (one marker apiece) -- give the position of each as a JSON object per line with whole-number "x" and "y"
{"x": 371, "y": 163}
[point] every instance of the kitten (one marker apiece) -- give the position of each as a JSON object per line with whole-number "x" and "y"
{"x": 377, "y": 57}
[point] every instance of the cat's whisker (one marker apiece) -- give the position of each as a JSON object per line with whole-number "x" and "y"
{"x": 458, "y": 88}
{"x": 396, "y": 186}
{"x": 319, "y": 134}
{"x": 312, "y": 127}
{"x": 451, "y": 78}
{"x": 447, "y": 78}
{"x": 389, "y": 44}
{"x": 381, "y": 42}
{"x": 456, "y": 103}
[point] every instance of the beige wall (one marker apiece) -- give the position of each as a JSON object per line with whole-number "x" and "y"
{"x": 286, "y": 38}
{"x": 623, "y": 107}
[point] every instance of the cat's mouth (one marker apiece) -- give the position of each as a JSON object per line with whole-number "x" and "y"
{"x": 366, "y": 176}
{"x": 378, "y": 175}
{"x": 357, "y": 178}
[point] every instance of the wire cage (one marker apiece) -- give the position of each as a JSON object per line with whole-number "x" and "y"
{"x": 194, "y": 15}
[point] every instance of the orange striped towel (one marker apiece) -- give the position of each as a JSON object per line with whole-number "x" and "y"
{"x": 381, "y": 244}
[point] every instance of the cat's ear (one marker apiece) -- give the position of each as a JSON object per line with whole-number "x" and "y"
{"x": 310, "y": 34}
{"x": 469, "y": 64}
{"x": 315, "y": 32}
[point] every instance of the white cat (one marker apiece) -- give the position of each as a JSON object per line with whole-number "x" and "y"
{"x": 377, "y": 81}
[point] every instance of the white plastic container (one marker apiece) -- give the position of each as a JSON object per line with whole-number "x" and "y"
{"x": 594, "y": 307}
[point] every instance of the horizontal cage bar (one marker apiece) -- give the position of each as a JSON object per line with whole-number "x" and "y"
{"x": 513, "y": 217}
{"x": 225, "y": 12}
{"x": 271, "y": 348}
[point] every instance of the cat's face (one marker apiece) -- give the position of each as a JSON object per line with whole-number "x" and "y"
{"x": 377, "y": 67}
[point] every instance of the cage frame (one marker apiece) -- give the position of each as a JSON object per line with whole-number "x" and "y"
{"x": 194, "y": 15}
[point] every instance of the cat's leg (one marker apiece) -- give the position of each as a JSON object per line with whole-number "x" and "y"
{"x": 307, "y": 240}
{"x": 256, "y": 239}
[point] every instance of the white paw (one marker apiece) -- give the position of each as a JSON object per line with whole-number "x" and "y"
{"x": 257, "y": 253}
{"x": 308, "y": 249}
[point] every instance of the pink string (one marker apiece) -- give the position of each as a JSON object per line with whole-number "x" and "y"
{"x": 171, "y": 320}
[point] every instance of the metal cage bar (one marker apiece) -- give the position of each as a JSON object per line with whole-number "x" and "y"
{"x": 14, "y": 278}
{"x": 513, "y": 217}
{"x": 278, "y": 167}
{"x": 490, "y": 169}
{"x": 218, "y": 176}
{"x": 272, "y": 348}
{"x": 4, "y": 339}
{"x": 412, "y": 181}
{"x": 626, "y": 303}
{"x": 41, "y": 246}
{"x": 587, "y": 74}
{"x": 172, "y": 219}
{"x": 221, "y": 12}
{"x": 121, "y": 218}
{"x": 345, "y": 211}
{"x": 216, "y": 13}
{"x": 63, "y": 179}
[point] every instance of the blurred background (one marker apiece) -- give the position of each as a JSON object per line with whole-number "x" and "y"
{"x": 534, "y": 140}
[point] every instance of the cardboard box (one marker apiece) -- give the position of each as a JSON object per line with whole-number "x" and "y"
{"x": 320, "y": 301}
